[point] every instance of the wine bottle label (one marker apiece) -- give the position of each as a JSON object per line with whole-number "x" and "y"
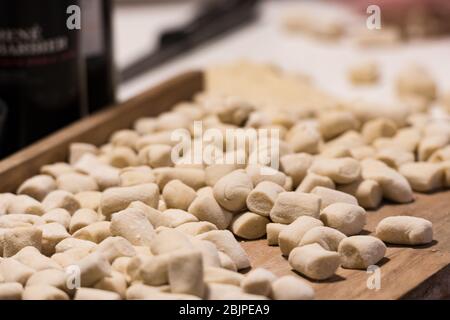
{"x": 92, "y": 36}
{"x": 41, "y": 68}
{"x": 28, "y": 42}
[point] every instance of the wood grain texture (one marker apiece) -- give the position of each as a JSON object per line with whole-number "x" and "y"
{"x": 419, "y": 272}
{"x": 97, "y": 128}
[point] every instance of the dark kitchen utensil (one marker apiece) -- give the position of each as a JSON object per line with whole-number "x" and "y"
{"x": 215, "y": 19}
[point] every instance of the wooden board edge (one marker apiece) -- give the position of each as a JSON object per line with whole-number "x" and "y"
{"x": 435, "y": 287}
{"x": 97, "y": 128}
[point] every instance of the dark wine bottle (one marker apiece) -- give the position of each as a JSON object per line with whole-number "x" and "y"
{"x": 42, "y": 72}
{"x": 97, "y": 41}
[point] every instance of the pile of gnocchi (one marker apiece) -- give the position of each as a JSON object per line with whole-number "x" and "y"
{"x": 125, "y": 221}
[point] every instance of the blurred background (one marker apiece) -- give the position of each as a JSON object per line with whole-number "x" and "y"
{"x": 51, "y": 75}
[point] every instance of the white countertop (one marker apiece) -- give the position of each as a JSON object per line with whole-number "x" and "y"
{"x": 138, "y": 26}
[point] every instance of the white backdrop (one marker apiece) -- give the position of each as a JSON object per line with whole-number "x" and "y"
{"x": 137, "y": 28}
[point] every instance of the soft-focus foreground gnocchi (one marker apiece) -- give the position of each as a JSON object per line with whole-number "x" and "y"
{"x": 141, "y": 218}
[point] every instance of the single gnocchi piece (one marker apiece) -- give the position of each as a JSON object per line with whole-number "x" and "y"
{"x": 70, "y": 257}
{"x": 216, "y": 171}
{"x": 38, "y": 187}
{"x": 364, "y": 72}
{"x": 72, "y": 243}
{"x": 225, "y": 242}
{"x": 429, "y": 145}
{"x": 150, "y": 270}
{"x": 414, "y": 80}
{"x": 76, "y": 182}
{"x": 291, "y": 235}
{"x": 405, "y": 230}
{"x": 259, "y": 173}
{"x": 235, "y": 111}
{"x": 394, "y": 157}
{"x": 209, "y": 252}
{"x": 170, "y": 218}
{"x": 273, "y": 230}
{"x": 95, "y": 232}
{"x": 423, "y": 176}
{"x": 368, "y": 192}
{"x": 258, "y": 282}
{"x": 330, "y": 196}
{"x": 206, "y": 208}
{"x": 82, "y": 218}
{"x": 117, "y": 199}
{"x": 231, "y": 191}
{"x": 291, "y": 205}
{"x": 104, "y": 174}
{"x": 133, "y": 176}
{"x": 51, "y": 277}
{"x": 31, "y": 257}
{"x": 340, "y": 170}
{"x": 89, "y": 199}
{"x": 360, "y": 252}
{"x": 326, "y": 237}
{"x": 196, "y": 228}
{"x": 52, "y": 234}
{"x": 12, "y": 270}
{"x": 262, "y": 198}
{"x": 93, "y": 268}
{"x": 156, "y": 156}
{"x": 304, "y": 137}
{"x": 133, "y": 225}
{"x": 124, "y": 138}
{"x": 121, "y": 157}
{"x": 43, "y": 292}
{"x": 395, "y": 187}
{"x": 161, "y": 137}
{"x": 185, "y": 272}
{"x": 347, "y": 218}
{"x": 177, "y": 195}
{"x": 11, "y": 221}
{"x": 11, "y": 291}
{"x": 56, "y": 169}
{"x": 334, "y": 123}
{"x": 194, "y": 178}
{"x": 249, "y": 225}
{"x": 314, "y": 261}
{"x": 95, "y": 294}
{"x": 16, "y": 239}
{"x": 223, "y": 276}
{"x": 61, "y": 199}
{"x": 226, "y": 262}
{"x": 5, "y": 200}
{"x": 296, "y": 165}
{"x": 24, "y": 204}
{"x": 78, "y": 149}
{"x": 115, "y": 247}
{"x": 313, "y": 180}
{"x": 291, "y": 288}
{"x": 169, "y": 240}
{"x": 61, "y": 216}
{"x": 440, "y": 155}
{"x": 115, "y": 283}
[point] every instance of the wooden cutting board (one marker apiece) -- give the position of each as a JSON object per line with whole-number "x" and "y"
{"x": 406, "y": 272}
{"x": 419, "y": 272}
